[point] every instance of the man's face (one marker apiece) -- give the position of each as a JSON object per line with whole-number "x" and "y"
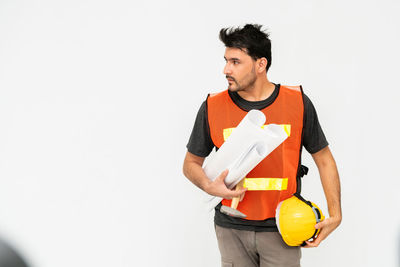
{"x": 239, "y": 69}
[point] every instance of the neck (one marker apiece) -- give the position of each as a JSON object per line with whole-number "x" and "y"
{"x": 261, "y": 90}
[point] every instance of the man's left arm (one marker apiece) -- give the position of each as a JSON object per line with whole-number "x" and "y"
{"x": 330, "y": 182}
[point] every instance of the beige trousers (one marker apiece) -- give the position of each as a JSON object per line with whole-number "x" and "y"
{"x": 255, "y": 249}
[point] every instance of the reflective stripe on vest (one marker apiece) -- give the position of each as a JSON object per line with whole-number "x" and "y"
{"x": 274, "y": 178}
{"x": 257, "y": 184}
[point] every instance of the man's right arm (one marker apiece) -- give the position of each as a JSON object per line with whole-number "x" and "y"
{"x": 192, "y": 169}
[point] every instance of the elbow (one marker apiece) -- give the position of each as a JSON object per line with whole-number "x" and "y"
{"x": 184, "y": 168}
{"x": 190, "y": 162}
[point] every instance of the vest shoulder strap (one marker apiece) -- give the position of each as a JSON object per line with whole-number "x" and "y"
{"x": 217, "y": 94}
{"x": 294, "y": 88}
{"x": 214, "y": 100}
{"x": 212, "y": 94}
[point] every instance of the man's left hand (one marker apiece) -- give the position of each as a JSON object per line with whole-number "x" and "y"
{"x": 327, "y": 226}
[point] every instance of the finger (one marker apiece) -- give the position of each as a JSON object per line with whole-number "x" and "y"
{"x": 316, "y": 242}
{"x": 310, "y": 244}
{"x": 224, "y": 173}
{"x": 320, "y": 225}
{"x": 320, "y": 237}
{"x": 234, "y": 193}
{"x": 242, "y": 191}
{"x": 222, "y": 176}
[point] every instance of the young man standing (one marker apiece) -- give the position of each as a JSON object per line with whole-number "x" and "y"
{"x": 255, "y": 240}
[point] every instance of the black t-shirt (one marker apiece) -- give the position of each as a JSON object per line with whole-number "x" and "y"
{"x": 200, "y": 144}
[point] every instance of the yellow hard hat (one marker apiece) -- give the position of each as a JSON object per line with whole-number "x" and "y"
{"x": 296, "y": 219}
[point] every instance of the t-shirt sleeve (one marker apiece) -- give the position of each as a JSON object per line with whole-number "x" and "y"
{"x": 313, "y": 137}
{"x": 200, "y": 143}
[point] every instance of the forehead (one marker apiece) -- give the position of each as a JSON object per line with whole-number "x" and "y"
{"x": 231, "y": 52}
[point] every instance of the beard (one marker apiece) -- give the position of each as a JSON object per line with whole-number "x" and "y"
{"x": 246, "y": 83}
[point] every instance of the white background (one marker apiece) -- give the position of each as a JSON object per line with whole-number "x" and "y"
{"x": 98, "y": 100}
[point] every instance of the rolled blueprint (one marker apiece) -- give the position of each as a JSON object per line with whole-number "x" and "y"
{"x": 245, "y": 148}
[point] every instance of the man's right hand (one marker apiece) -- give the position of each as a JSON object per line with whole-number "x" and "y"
{"x": 219, "y": 189}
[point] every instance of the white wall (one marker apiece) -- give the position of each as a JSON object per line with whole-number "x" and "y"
{"x": 98, "y": 99}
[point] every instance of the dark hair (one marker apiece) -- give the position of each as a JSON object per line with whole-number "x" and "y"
{"x": 251, "y": 39}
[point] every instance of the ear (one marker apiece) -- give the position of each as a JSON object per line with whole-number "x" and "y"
{"x": 261, "y": 64}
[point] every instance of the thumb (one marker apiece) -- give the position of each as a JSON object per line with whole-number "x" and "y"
{"x": 223, "y": 175}
{"x": 320, "y": 225}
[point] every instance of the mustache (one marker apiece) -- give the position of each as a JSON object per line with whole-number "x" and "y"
{"x": 230, "y": 77}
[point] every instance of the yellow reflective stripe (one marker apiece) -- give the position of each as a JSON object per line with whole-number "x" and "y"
{"x": 228, "y": 131}
{"x": 265, "y": 183}
{"x": 286, "y": 127}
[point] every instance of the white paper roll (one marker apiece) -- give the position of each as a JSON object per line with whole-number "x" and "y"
{"x": 245, "y": 148}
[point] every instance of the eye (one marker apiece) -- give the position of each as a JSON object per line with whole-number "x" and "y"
{"x": 235, "y": 62}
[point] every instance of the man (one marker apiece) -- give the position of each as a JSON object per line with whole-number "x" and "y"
{"x": 255, "y": 240}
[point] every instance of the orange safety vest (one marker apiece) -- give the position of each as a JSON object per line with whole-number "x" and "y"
{"x": 275, "y": 178}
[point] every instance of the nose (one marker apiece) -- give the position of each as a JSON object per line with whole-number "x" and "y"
{"x": 227, "y": 69}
